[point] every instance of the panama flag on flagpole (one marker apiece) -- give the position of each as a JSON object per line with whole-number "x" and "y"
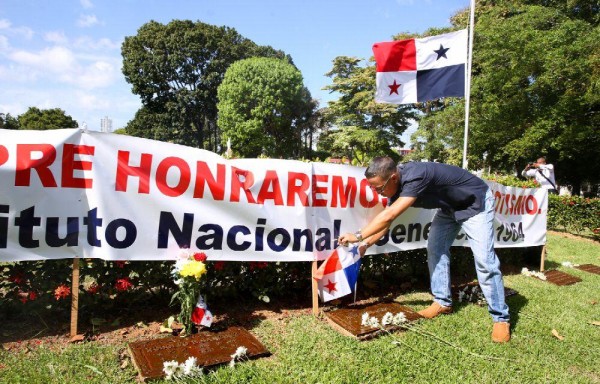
{"x": 418, "y": 70}
{"x": 338, "y": 274}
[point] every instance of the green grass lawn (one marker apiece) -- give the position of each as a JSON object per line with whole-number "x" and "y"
{"x": 307, "y": 350}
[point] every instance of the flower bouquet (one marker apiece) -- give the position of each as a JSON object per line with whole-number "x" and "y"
{"x": 187, "y": 272}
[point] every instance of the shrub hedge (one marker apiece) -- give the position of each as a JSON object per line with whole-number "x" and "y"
{"x": 574, "y": 214}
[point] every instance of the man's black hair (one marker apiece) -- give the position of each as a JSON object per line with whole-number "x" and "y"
{"x": 382, "y": 166}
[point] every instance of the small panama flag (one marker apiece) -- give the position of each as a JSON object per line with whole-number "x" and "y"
{"x": 418, "y": 70}
{"x": 338, "y": 274}
{"x": 201, "y": 315}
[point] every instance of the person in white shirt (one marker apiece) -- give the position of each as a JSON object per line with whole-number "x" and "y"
{"x": 543, "y": 173}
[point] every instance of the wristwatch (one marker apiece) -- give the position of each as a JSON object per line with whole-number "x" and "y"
{"x": 358, "y": 235}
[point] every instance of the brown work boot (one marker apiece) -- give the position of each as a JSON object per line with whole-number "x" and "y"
{"x": 435, "y": 310}
{"x": 501, "y": 332}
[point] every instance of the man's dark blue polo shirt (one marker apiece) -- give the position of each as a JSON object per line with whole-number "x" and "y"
{"x": 456, "y": 191}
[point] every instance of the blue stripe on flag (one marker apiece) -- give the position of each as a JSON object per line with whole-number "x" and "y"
{"x": 441, "y": 82}
{"x": 352, "y": 273}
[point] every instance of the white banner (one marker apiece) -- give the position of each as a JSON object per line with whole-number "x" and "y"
{"x": 67, "y": 193}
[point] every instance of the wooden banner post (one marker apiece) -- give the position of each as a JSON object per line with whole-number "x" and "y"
{"x": 315, "y": 288}
{"x": 74, "y": 296}
{"x": 543, "y": 258}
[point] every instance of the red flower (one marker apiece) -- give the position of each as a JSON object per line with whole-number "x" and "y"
{"x": 62, "y": 292}
{"x": 17, "y": 278}
{"x": 123, "y": 284}
{"x": 93, "y": 288}
{"x": 200, "y": 256}
{"x": 22, "y": 297}
{"x": 219, "y": 265}
{"x": 254, "y": 266}
{"x": 120, "y": 264}
{"x": 32, "y": 295}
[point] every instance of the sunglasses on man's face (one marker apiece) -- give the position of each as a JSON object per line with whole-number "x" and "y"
{"x": 381, "y": 188}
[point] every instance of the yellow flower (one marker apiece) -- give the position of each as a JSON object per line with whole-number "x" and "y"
{"x": 193, "y": 269}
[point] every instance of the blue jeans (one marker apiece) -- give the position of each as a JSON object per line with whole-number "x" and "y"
{"x": 480, "y": 232}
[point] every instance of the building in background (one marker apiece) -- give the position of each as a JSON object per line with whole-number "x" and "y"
{"x": 106, "y": 124}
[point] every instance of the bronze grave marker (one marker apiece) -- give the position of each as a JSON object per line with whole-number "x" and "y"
{"x": 589, "y": 268}
{"x": 210, "y": 348}
{"x": 348, "y": 320}
{"x": 561, "y": 278}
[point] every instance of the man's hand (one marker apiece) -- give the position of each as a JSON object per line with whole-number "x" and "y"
{"x": 347, "y": 238}
{"x": 362, "y": 248}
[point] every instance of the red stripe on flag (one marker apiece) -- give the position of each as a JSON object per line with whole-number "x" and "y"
{"x": 395, "y": 56}
{"x": 330, "y": 265}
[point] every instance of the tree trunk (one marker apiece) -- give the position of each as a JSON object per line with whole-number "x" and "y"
{"x": 199, "y": 126}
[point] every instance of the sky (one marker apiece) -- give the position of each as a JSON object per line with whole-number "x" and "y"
{"x": 67, "y": 53}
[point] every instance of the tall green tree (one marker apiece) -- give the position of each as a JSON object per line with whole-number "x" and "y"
{"x": 535, "y": 89}
{"x": 176, "y": 68}
{"x": 8, "y": 122}
{"x": 155, "y": 126}
{"x": 359, "y": 128}
{"x": 43, "y": 119}
{"x": 264, "y": 108}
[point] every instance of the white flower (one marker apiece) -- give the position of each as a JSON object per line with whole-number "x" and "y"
{"x": 179, "y": 371}
{"x": 239, "y": 353}
{"x": 373, "y": 322}
{"x": 568, "y": 264}
{"x": 184, "y": 255}
{"x": 540, "y": 275}
{"x": 387, "y": 318}
{"x": 264, "y": 298}
{"x": 190, "y": 366}
{"x": 179, "y": 264}
{"x": 399, "y": 318}
{"x": 365, "y": 319}
{"x": 529, "y": 273}
{"x": 170, "y": 368}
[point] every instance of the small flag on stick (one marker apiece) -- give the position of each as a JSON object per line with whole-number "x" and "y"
{"x": 338, "y": 274}
{"x": 201, "y": 315}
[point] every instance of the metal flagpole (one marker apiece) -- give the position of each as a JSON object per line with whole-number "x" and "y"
{"x": 468, "y": 82}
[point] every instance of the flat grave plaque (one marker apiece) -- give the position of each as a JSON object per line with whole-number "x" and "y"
{"x": 561, "y": 278}
{"x": 589, "y": 268}
{"x": 210, "y": 348}
{"x": 348, "y": 320}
